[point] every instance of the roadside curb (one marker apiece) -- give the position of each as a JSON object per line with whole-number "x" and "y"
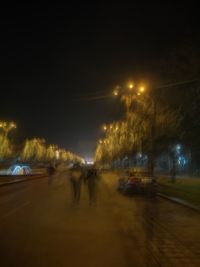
{"x": 23, "y": 180}
{"x": 180, "y": 202}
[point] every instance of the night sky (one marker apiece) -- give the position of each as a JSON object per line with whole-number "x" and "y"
{"x": 54, "y": 59}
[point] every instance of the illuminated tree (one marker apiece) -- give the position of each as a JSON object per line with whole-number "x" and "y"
{"x": 51, "y": 152}
{"x": 6, "y": 149}
{"x": 133, "y": 135}
{"x": 7, "y": 127}
{"x": 34, "y": 149}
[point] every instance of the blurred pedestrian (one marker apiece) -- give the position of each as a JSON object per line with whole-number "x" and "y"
{"x": 91, "y": 181}
{"x": 50, "y": 173}
{"x": 76, "y": 180}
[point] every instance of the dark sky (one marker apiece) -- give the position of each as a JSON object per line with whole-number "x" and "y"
{"x": 54, "y": 58}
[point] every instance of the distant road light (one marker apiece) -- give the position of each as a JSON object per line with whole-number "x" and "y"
{"x": 131, "y": 85}
{"x": 105, "y": 127}
{"x": 142, "y": 89}
{"x": 116, "y": 93}
{"x": 7, "y": 126}
{"x": 57, "y": 154}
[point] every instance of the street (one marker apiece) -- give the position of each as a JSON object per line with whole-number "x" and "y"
{"x": 40, "y": 227}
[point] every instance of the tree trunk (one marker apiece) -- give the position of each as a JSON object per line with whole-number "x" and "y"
{"x": 173, "y": 171}
{"x": 152, "y": 140}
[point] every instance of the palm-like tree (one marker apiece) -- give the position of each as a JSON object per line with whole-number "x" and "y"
{"x": 51, "y": 152}
{"x": 34, "y": 149}
{"x": 7, "y": 127}
{"x": 6, "y": 149}
{"x": 134, "y": 133}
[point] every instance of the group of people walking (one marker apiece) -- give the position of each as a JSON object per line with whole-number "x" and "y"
{"x": 80, "y": 176}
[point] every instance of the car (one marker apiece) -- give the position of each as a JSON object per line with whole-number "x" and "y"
{"x": 132, "y": 183}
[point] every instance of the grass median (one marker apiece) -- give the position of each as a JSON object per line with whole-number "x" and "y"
{"x": 187, "y": 188}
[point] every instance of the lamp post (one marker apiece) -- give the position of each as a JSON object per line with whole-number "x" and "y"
{"x": 110, "y": 127}
{"x": 7, "y": 127}
{"x": 129, "y": 93}
{"x": 133, "y": 93}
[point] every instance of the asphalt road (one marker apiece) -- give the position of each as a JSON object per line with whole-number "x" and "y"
{"x": 40, "y": 227}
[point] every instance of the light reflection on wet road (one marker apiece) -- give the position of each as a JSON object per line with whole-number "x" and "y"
{"x": 40, "y": 227}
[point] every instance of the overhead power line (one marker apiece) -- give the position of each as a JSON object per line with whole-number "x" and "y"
{"x": 97, "y": 95}
{"x": 91, "y": 98}
{"x": 177, "y": 83}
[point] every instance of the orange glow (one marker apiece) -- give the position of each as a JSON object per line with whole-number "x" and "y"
{"x": 116, "y": 93}
{"x": 105, "y": 127}
{"x": 142, "y": 89}
{"x": 131, "y": 85}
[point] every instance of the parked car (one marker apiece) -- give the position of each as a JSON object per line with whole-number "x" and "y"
{"x": 137, "y": 183}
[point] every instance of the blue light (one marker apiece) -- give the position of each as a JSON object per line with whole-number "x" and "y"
{"x": 182, "y": 161}
{"x": 139, "y": 155}
{"x": 19, "y": 170}
{"x": 178, "y": 149}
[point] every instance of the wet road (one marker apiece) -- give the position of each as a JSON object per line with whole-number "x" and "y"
{"x": 40, "y": 227}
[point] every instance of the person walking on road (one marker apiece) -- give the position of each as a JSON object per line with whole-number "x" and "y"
{"x": 91, "y": 181}
{"x": 76, "y": 180}
{"x": 50, "y": 173}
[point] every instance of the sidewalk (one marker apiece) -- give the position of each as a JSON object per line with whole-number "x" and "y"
{"x": 179, "y": 201}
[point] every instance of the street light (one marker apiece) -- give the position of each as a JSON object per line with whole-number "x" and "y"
{"x": 130, "y": 85}
{"x": 129, "y": 93}
{"x": 121, "y": 91}
{"x": 57, "y": 154}
{"x": 133, "y": 93}
{"x": 142, "y": 89}
{"x": 105, "y": 127}
{"x": 7, "y": 127}
{"x": 109, "y": 127}
{"x": 115, "y": 93}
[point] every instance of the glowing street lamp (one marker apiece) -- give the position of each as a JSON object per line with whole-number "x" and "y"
{"x": 105, "y": 127}
{"x": 108, "y": 127}
{"x": 133, "y": 93}
{"x": 7, "y": 127}
{"x": 130, "y": 85}
{"x": 129, "y": 93}
{"x": 57, "y": 154}
{"x": 142, "y": 89}
{"x": 116, "y": 93}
